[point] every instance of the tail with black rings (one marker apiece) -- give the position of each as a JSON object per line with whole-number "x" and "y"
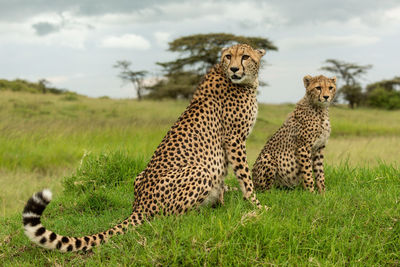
{"x": 37, "y": 233}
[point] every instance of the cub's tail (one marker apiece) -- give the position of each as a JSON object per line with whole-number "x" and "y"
{"x": 48, "y": 239}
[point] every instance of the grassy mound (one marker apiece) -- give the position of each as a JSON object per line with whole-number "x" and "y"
{"x": 357, "y": 222}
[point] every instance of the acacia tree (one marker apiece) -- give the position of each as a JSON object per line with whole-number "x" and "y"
{"x": 135, "y": 77}
{"x": 349, "y": 73}
{"x": 43, "y": 84}
{"x": 197, "y": 53}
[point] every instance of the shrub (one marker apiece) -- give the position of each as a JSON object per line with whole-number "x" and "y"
{"x": 98, "y": 172}
{"x": 381, "y": 98}
{"x": 70, "y": 97}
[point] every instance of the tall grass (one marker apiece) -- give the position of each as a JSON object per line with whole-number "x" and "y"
{"x": 104, "y": 143}
{"x": 357, "y": 222}
{"x": 42, "y": 137}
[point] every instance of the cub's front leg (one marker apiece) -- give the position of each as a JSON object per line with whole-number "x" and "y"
{"x": 237, "y": 157}
{"x": 318, "y": 168}
{"x": 304, "y": 161}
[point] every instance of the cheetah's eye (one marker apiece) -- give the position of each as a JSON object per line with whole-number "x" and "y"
{"x": 244, "y": 57}
{"x": 330, "y": 87}
{"x": 228, "y": 57}
{"x": 318, "y": 88}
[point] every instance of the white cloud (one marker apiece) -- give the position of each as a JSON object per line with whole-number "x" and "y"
{"x": 162, "y": 38}
{"x": 328, "y": 41}
{"x": 132, "y": 41}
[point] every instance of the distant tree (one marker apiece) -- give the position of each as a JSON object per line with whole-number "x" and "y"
{"x": 353, "y": 94}
{"x": 175, "y": 85}
{"x": 388, "y": 85}
{"x": 384, "y": 94}
{"x": 197, "y": 53}
{"x": 135, "y": 77}
{"x": 381, "y": 98}
{"x": 349, "y": 74}
{"x": 43, "y": 85}
{"x": 201, "y": 51}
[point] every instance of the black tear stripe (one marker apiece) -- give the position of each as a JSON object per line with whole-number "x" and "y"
{"x": 241, "y": 63}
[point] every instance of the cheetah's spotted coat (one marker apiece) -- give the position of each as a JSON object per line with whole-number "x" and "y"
{"x": 188, "y": 167}
{"x": 296, "y": 149}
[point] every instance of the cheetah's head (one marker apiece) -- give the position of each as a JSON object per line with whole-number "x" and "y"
{"x": 241, "y": 63}
{"x": 320, "y": 89}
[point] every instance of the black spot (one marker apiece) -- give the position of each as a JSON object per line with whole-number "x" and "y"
{"x": 78, "y": 243}
{"x": 101, "y": 236}
{"x": 87, "y": 239}
{"x": 64, "y": 239}
{"x": 43, "y": 240}
{"x": 59, "y": 244}
{"x": 53, "y": 237}
{"x": 40, "y": 231}
{"x": 69, "y": 248}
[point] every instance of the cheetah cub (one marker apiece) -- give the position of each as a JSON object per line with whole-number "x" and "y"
{"x": 296, "y": 149}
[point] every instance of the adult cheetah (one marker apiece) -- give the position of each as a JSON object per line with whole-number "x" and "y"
{"x": 297, "y": 147}
{"x": 188, "y": 167}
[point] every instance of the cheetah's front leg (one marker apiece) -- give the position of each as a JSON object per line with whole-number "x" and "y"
{"x": 304, "y": 159}
{"x": 318, "y": 167}
{"x": 237, "y": 157}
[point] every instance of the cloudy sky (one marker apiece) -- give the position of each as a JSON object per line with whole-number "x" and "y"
{"x": 74, "y": 43}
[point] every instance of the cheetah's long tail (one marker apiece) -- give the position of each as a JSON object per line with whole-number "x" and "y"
{"x": 48, "y": 239}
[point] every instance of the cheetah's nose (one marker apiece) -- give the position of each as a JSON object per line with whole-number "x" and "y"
{"x": 326, "y": 97}
{"x": 234, "y": 69}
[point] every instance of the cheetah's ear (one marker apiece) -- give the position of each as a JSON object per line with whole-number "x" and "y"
{"x": 307, "y": 80}
{"x": 261, "y": 52}
{"x": 333, "y": 79}
{"x": 224, "y": 49}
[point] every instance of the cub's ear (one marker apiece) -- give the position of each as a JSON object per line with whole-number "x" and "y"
{"x": 307, "y": 80}
{"x": 333, "y": 79}
{"x": 261, "y": 52}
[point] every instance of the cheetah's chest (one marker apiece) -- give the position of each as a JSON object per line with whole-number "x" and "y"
{"x": 324, "y": 135}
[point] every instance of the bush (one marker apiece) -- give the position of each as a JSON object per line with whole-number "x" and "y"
{"x": 103, "y": 171}
{"x": 381, "y": 98}
{"x": 70, "y": 97}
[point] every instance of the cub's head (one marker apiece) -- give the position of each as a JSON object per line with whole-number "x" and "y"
{"x": 241, "y": 63}
{"x": 320, "y": 89}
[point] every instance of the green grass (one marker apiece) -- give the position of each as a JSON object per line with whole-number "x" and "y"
{"x": 357, "y": 222}
{"x": 101, "y": 144}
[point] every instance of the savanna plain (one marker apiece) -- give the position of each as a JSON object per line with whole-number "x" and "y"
{"x": 88, "y": 152}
